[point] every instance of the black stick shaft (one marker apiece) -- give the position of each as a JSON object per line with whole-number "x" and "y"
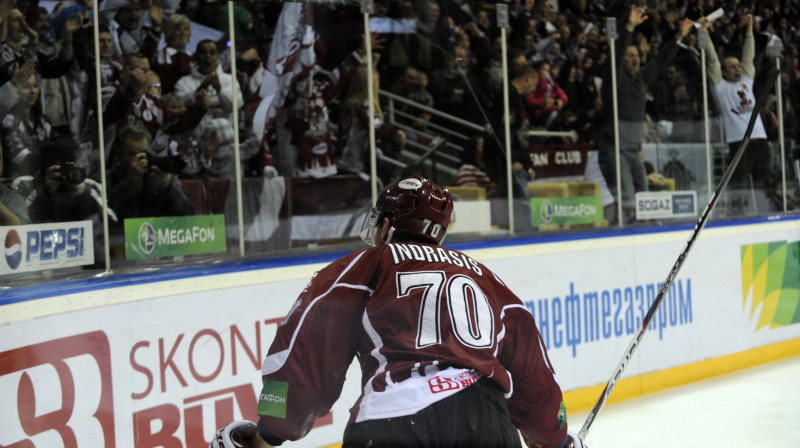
{"x": 726, "y": 177}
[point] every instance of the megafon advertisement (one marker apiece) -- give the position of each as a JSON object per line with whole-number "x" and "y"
{"x": 169, "y": 371}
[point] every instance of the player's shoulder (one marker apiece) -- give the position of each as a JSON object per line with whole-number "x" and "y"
{"x": 358, "y": 259}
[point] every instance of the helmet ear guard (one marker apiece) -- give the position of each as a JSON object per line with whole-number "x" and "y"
{"x": 417, "y": 209}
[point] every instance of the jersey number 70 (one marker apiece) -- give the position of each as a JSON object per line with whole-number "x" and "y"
{"x": 469, "y": 309}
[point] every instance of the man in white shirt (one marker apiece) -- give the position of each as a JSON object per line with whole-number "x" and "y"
{"x": 208, "y": 75}
{"x": 733, "y": 90}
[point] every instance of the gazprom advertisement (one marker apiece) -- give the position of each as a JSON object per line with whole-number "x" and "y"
{"x": 46, "y": 246}
{"x": 167, "y": 371}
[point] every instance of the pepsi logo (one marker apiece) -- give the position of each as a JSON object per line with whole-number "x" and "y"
{"x": 13, "y": 249}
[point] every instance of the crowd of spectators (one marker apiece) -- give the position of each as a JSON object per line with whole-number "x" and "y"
{"x": 162, "y": 101}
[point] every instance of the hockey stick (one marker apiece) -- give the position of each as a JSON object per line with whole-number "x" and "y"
{"x": 760, "y": 100}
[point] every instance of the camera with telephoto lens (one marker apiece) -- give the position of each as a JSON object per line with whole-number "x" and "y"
{"x": 72, "y": 173}
{"x": 168, "y": 164}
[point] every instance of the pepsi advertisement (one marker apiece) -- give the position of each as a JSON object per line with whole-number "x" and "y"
{"x": 46, "y": 246}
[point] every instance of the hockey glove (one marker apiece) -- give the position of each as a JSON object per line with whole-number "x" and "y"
{"x": 235, "y": 435}
{"x": 575, "y": 441}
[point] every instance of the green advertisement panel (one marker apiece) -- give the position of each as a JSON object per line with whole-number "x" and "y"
{"x": 170, "y": 236}
{"x": 566, "y": 210}
{"x": 771, "y": 276}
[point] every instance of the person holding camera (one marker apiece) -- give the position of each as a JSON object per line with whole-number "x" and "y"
{"x": 64, "y": 193}
{"x": 141, "y": 185}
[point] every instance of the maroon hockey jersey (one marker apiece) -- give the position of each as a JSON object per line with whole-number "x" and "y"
{"x": 424, "y": 322}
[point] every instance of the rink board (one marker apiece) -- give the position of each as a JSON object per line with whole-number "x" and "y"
{"x": 166, "y": 363}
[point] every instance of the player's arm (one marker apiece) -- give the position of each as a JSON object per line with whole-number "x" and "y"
{"x": 304, "y": 370}
{"x": 535, "y": 403}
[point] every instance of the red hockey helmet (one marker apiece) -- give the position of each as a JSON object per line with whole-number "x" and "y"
{"x": 416, "y": 207}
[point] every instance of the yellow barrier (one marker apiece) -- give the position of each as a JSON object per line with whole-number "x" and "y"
{"x": 467, "y": 193}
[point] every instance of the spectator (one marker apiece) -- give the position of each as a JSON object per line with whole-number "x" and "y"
{"x": 136, "y": 187}
{"x": 21, "y": 44}
{"x": 129, "y": 34}
{"x": 524, "y": 82}
{"x": 633, "y": 82}
{"x": 355, "y": 126}
{"x": 65, "y": 194}
{"x": 110, "y": 67}
{"x": 547, "y": 100}
{"x": 13, "y": 210}
{"x": 183, "y": 144}
{"x": 56, "y": 91}
{"x": 405, "y": 49}
{"x": 733, "y": 90}
{"x": 493, "y": 69}
{"x": 419, "y": 94}
{"x": 155, "y": 84}
{"x": 208, "y": 77}
{"x": 305, "y": 145}
{"x": 403, "y": 85}
{"x": 216, "y": 150}
{"x": 674, "y": 100}
{"x": 459, "y": 90}
{"x": 23, "y": 130}
{"x": 580, "y": 91}
{"x": 444, "y": 37}
{"x": 477, "y": 41}
{"x": 130, "y": 102}
{"x": 566, "y": 121}
{"x": 174, "y": 61}
{"x": 110, "y": 70}
{"x": 471, "y": 172}
{"x": 419, "y": 91}
{"x": 9, "y": 93}
{"x": 242, "y": 22}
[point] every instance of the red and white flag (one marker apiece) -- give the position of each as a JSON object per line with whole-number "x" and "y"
{"x": 291, "y": 57}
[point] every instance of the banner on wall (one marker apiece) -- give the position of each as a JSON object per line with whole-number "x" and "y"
{"x": 566, "y": 210}
{"x": 170, "y": 236}
{"x": 38, "y": 247}
{"x": 168, "y": 372}
{"x": 771, "y": 278}
{"x": 666, "y": 204}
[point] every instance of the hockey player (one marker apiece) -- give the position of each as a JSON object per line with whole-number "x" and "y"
{"x": 449, "y": 356}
